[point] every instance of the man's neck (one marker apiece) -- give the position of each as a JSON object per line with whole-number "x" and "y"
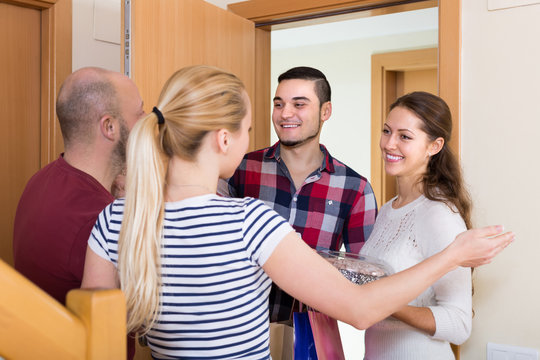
{"x": 94, "y": 164}
{"x": 301, "y": 161}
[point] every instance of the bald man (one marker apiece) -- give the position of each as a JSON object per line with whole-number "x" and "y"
{"x": 58, "y": 208}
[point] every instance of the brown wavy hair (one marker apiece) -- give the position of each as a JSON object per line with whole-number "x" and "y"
{"x": 443, "y": 180}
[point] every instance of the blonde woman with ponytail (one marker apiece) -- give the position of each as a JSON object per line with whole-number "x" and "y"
{"x": 196, "y": 268}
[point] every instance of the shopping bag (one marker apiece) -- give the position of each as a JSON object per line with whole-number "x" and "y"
{"x": 304, "y": 345}
{"x": 326, "y": 336}
{"x": 282, "y": 341}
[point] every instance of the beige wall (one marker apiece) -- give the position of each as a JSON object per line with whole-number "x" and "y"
{"x": 500, "y": 128}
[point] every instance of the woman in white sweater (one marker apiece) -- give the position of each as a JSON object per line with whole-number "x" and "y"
{"x": 432, "y": 206}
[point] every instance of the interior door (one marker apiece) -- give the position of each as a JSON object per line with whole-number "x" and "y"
{"x": 20, "y": 30}
{"x": 162, "y": 36}
{"x": 35, "y": 37}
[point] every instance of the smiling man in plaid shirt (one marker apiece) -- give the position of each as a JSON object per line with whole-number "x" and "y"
{"x": 326, "y": 202}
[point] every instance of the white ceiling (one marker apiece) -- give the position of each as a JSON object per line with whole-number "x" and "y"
{"x": 367, "y": 27}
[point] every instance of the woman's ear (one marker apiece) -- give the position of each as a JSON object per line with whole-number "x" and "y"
{"x": 223, "y": 139}
{"x": 436, "y": 146}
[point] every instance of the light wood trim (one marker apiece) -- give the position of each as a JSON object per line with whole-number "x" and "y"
{"x": 449, "y": 57}
{"x": 265, "y": 12}
{"x": 450, "y": 65}
{"x": 383, "y": 68}
{"x": 35, "y": 4}
{"x": 449, "y": 45}
{"x": 56, "y": 63}
{"x": 262, "y": 110}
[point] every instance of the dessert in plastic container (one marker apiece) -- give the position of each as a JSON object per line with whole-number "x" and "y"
{"x": 359, "y": 269}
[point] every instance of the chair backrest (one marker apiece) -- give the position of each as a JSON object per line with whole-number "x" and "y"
{"x": 33, "y": 325}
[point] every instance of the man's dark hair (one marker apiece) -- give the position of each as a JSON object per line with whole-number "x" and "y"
{"x": 322, "y": 87}
{"x": 81, "y": 103}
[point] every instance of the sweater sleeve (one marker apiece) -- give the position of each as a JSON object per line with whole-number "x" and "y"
{"x": 437, "y": 228}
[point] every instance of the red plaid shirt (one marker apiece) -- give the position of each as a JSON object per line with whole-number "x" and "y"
{"x": 335, "y": 206}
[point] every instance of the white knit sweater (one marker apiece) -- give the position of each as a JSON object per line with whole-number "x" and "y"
{"x": 404, "y": 237}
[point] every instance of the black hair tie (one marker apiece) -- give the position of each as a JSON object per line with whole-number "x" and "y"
{"x": 160, "y": 118}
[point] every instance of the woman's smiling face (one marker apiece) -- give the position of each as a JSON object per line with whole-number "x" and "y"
{"x": 405, "y": 146}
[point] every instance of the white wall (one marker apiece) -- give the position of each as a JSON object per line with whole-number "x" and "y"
{"x": 500, "y": 127}
{"x": 96, "y": 45}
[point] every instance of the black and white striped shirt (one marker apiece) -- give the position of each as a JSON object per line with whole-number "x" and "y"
{"x": 214, "y": 295}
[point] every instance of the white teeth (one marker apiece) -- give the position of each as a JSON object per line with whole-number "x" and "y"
{"x": 394, "y": 157}
{"x": 290, "y": 126}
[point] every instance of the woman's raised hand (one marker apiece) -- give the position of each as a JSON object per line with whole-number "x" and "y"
{"x": 477, "y": 247}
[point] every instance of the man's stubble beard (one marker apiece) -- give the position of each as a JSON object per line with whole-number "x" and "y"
{"x": 296, "y": 143}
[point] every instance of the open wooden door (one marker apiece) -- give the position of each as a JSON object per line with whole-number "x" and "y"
{"x": 162, "y": 36}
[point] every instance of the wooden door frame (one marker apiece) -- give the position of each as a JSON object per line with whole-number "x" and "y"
{"x": 449, "y": 55}
{"x": 383, "y": 73}
{"x": 56, "y": 62}
{"x": 449, "y": 47}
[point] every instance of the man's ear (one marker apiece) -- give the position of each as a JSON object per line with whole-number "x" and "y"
{"x": 326, "y": 111}
{"x": 107, "y": 126}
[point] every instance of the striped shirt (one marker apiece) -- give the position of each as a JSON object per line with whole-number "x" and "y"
{"x": 214, "y": 295}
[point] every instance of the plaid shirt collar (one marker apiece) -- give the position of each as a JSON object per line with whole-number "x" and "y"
{"x": 274, "y": 152}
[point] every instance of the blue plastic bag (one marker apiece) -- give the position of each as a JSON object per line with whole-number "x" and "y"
{"x": 304, "y": 345}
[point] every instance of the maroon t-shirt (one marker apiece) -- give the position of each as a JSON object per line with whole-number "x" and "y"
{"x": 54, "y": 218}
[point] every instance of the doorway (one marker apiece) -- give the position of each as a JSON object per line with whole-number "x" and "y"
{"x": 343, "y": 51}
{"x": 346, "y": 59}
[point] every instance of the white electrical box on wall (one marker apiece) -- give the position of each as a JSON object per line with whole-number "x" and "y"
{"x": 505, "y": 4}
{"x": 508, "y": 352}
